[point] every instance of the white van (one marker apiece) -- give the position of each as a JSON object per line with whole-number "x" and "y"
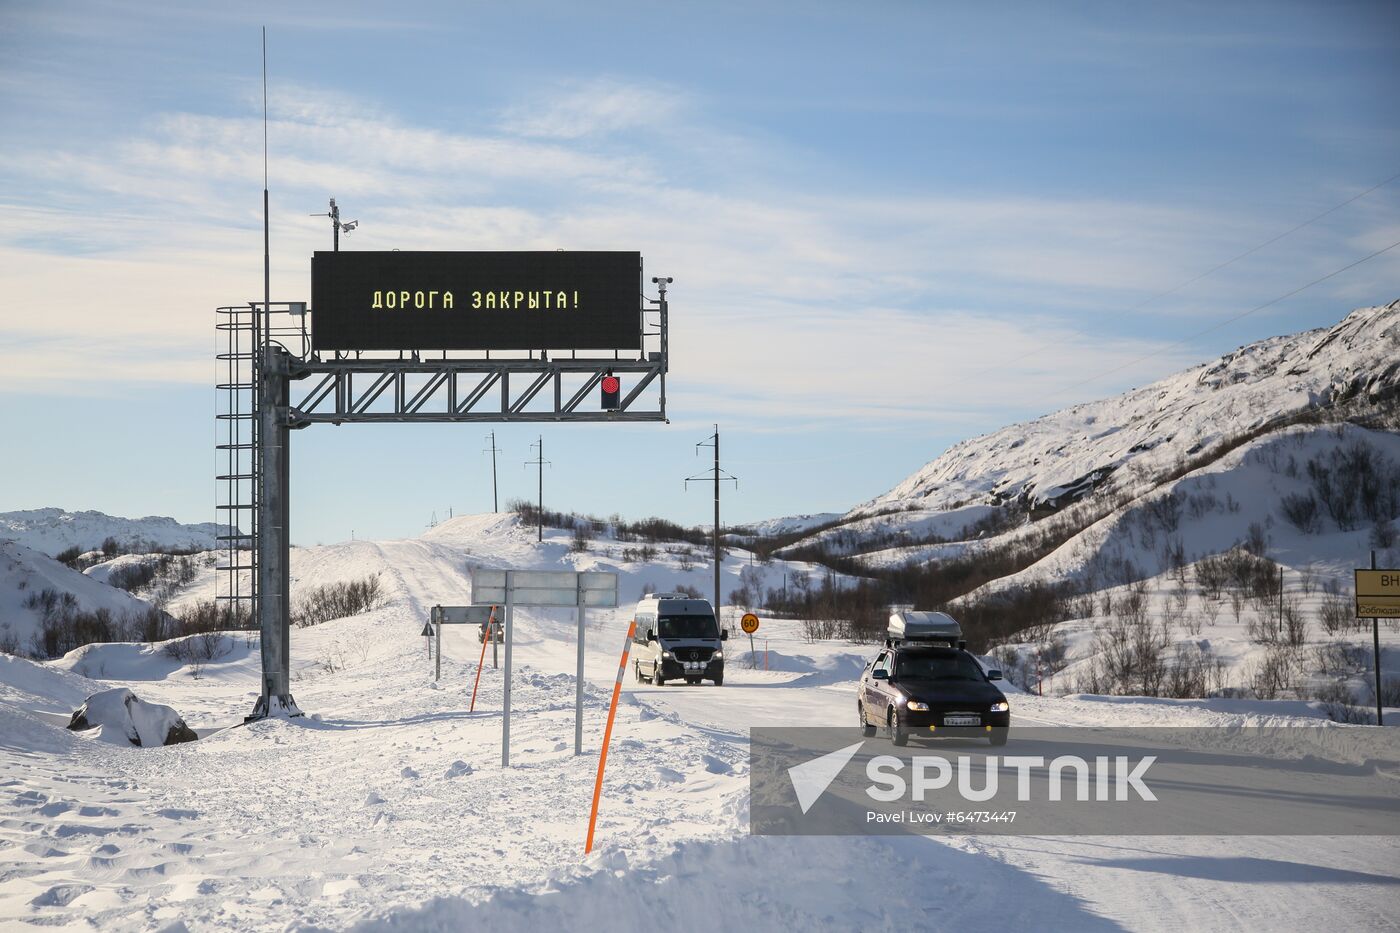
{"x": 677, "y": 638}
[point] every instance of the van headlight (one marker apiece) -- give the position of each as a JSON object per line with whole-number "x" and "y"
{"x": 918, "y": 706}
{"x": 666, "y": 654}
{"x": 1001, "y": 707}
{"x": 717, "y": 656}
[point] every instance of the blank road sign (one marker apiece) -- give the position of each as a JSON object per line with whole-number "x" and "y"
{"x": 560, "y": 588}
{"x": 462, "y": 615}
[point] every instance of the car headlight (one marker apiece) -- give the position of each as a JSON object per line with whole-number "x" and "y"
{"x": 717, "y": 656}
{"x": 1001, "y": 707}
{"x": 918, "y": 706}
{"x": 666, "y": 654}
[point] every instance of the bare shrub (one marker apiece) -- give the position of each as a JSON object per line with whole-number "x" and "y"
{"x": 1339, "y": 658}
{"x": 1295, "y": 624}
{"x": 199, "y": 649}
{"x": 337, "y": 600}
{"x": 1270, "y": 675}
{"x": 1390, "y": 691}
{"x": 1301, "y": 511}
{"x": 1382, "y": 535}
{"x": 1336, "y": 614}
{"x": 1339, "y": 702}
{"x": 1194, "y": 672}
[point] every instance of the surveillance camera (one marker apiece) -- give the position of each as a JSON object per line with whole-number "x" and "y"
{"x": 657, "y": 280}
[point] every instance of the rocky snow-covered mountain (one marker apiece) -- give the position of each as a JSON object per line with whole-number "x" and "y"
{"x": 1063, "y": 456}
{"x": 52, "y": 531}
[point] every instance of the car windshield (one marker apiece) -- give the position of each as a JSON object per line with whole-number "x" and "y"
{"x": 949, "y": 666}
{"x": 688, "y": 626}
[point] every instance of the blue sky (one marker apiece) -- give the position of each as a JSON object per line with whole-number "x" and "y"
{"x": 891, "y": 225}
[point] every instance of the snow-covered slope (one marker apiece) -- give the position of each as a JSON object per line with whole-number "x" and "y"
{"x": 772, "y": 527}
{"x": 25, "y": 573}
{"x": 54, "y": 530}
{"x": 1212, "y": 509}
{"x": 1062, "y": 456}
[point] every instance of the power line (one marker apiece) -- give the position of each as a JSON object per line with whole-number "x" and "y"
{"x": 1178, "y": 287}
{"x": 1270, "y": 242}
{"x": 1214, "y": 327}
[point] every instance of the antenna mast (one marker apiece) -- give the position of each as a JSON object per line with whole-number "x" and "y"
{"x": 267, "y": 242}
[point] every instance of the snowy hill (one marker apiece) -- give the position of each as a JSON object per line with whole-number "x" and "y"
{"x": 55, "y": 530}
{"x": 1065, "y": 455}
{"x": 26, "y": 574}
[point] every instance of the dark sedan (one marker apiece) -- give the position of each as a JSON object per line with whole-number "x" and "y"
{"x": 933, "y": 691}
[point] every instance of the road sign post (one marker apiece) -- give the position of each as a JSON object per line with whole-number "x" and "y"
{"x": 545, "y": 588}
{"x": 489, "y": 635}
{"x": 607, "y": 735}
{"x": 749, "y": 623}
{"x": 1377, "y": 596}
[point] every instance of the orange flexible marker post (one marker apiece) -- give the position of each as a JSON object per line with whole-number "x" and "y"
{"x": 607, "y": 735}
{"x": 481, "y": 661}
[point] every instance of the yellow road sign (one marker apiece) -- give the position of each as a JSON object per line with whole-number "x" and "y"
{"x": 749, "y": 623}
{"x": 1378, "y": 594}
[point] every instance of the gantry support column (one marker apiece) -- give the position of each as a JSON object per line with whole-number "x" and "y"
{"x": 274, "y": 540}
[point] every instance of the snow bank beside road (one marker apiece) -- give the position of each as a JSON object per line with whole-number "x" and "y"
{"x": 867, "y": 884}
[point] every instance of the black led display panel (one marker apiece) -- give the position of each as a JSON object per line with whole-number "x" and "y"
{"x": 476, "y": 300}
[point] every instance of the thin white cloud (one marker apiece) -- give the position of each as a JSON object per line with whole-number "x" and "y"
{"x": 819, "y": 303}
{"x": 592, "y": 108}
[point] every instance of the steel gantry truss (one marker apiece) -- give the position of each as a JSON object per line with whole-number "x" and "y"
{"x": 273, "y": 383}
{"x": 408, "y": 391}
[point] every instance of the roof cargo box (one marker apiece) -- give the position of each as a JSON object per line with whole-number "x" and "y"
{"x": 912, "y": 625}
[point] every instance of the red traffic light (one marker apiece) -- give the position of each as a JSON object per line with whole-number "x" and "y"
{"x": 612, "y": 392}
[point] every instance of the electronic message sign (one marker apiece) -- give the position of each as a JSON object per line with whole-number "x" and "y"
{"x": 476, "y": 300}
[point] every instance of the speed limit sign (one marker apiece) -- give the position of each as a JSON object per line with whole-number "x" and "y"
{"x": 749, "y": 623}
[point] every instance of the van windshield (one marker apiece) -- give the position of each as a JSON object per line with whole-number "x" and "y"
{"x": 688, "y": 626}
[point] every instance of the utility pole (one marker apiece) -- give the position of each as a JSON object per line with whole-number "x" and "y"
{"x": 493, "y": 450}
{"x": 336, "y": 226}
{"x": 539, "y": 463}
{"x": 718, "y": 476}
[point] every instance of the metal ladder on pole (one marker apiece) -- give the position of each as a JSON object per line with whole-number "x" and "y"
{"x": 236, "y": 455}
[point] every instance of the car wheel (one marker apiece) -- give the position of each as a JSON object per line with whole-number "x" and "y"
{"x": 637, "y": 671}
{"x": 898, "y": 735}
{"x": 865, "y": 727}
{"x": 656, "y": 677}
{"x": 719, "y": 681}
{"x": 998, "y": 737}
